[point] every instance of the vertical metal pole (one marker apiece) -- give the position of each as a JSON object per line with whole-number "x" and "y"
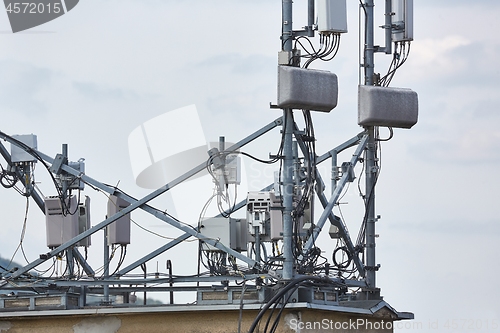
{"x": 369, "y": 40}
{"x": 82, "y": 300}
{"x": 287, "y": 29}
{"x": 371, "y": 178}
{"x": 310, "y": 17}
{"x": 222, "y": 178}
{"x": 222, "y": 143}
{"x": 169, "y": 267}
{"x": 296, "y": 163}
{"x": 288, "y": 196}
{"x": 288, "y": 124}
{"x": 257, "y": 244}
{"x": 335, "y": 171}
{"x": 64, "y": 183}
{"x": 106, "y": 266}
{"x": 370, "y": 155}
{"x": 144, "y": 270}
{"x": 70, "y": 262}
{"x": 388, "y": 26}
{"x": 222, "y": 147}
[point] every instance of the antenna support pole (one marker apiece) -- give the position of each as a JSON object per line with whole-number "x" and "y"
{"x": 288, "y": 124}
{"x": 371, "y": 152}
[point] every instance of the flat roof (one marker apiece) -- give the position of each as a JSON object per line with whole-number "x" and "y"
{"x": 101, "y": 310}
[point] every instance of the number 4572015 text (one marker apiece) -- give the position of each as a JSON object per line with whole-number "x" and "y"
{"x": 33, "y": 8}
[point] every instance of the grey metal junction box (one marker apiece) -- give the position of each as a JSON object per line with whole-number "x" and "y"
{"x": 308, "y": 89}
{"x": 61, "y": 222}
{"x": 390, "y": 107}
{"x": 20, "y": 155}
{"x": 230, "y": 232}
{"x": 118, "y": 231}
{"x": 331, "y": 16}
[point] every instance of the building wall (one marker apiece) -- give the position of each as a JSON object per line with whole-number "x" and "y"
{"x": 292, "y": 320}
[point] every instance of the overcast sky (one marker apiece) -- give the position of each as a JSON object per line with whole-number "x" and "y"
{"x": 92, "y": 76}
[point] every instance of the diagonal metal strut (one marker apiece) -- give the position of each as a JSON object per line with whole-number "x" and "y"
{"x": 142, "y": 203}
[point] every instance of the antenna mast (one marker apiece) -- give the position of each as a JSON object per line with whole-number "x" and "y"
{"x": 286, "y": 41}
{"x": 371, "y": 170}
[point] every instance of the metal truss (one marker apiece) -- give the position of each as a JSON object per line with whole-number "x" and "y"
{"x": 22, "y": 276}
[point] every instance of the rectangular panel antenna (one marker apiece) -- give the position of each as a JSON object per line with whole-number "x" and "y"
{"x": 308, "y": 89}
{"x": 18, "y": 154}
{"x": 389, "y": 107}
{"x": 402, "y": 20}
{"x": 331, "y": 16}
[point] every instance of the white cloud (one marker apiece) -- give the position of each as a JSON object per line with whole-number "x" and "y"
{"x": 433, "y": 55}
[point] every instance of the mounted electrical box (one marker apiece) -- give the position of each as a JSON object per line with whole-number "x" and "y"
{"x": 61, "y": 222}
{"x": 73, "y": 182}
{"x": 334, "y": 229}
{"x": 264, "y": 215}
{"x": 232, "y": 233}
{"x": 217, "y": 229}
{"x": 334, "y": 232}
{"x": 402, "y": 20}
{"x": 232, "y": 169}
{"x": 84, "y": 221}
{"x": 288, "y": 58}
{"x": 19, "y": 155}
{"x": 308, "y": 89}
{"x": 227, "y": 169}
{"x": 331, "y": 16}
{"x": 118, "y": 231}
{"x": 77, "y": 184}
{"x": 389, "y": 107}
